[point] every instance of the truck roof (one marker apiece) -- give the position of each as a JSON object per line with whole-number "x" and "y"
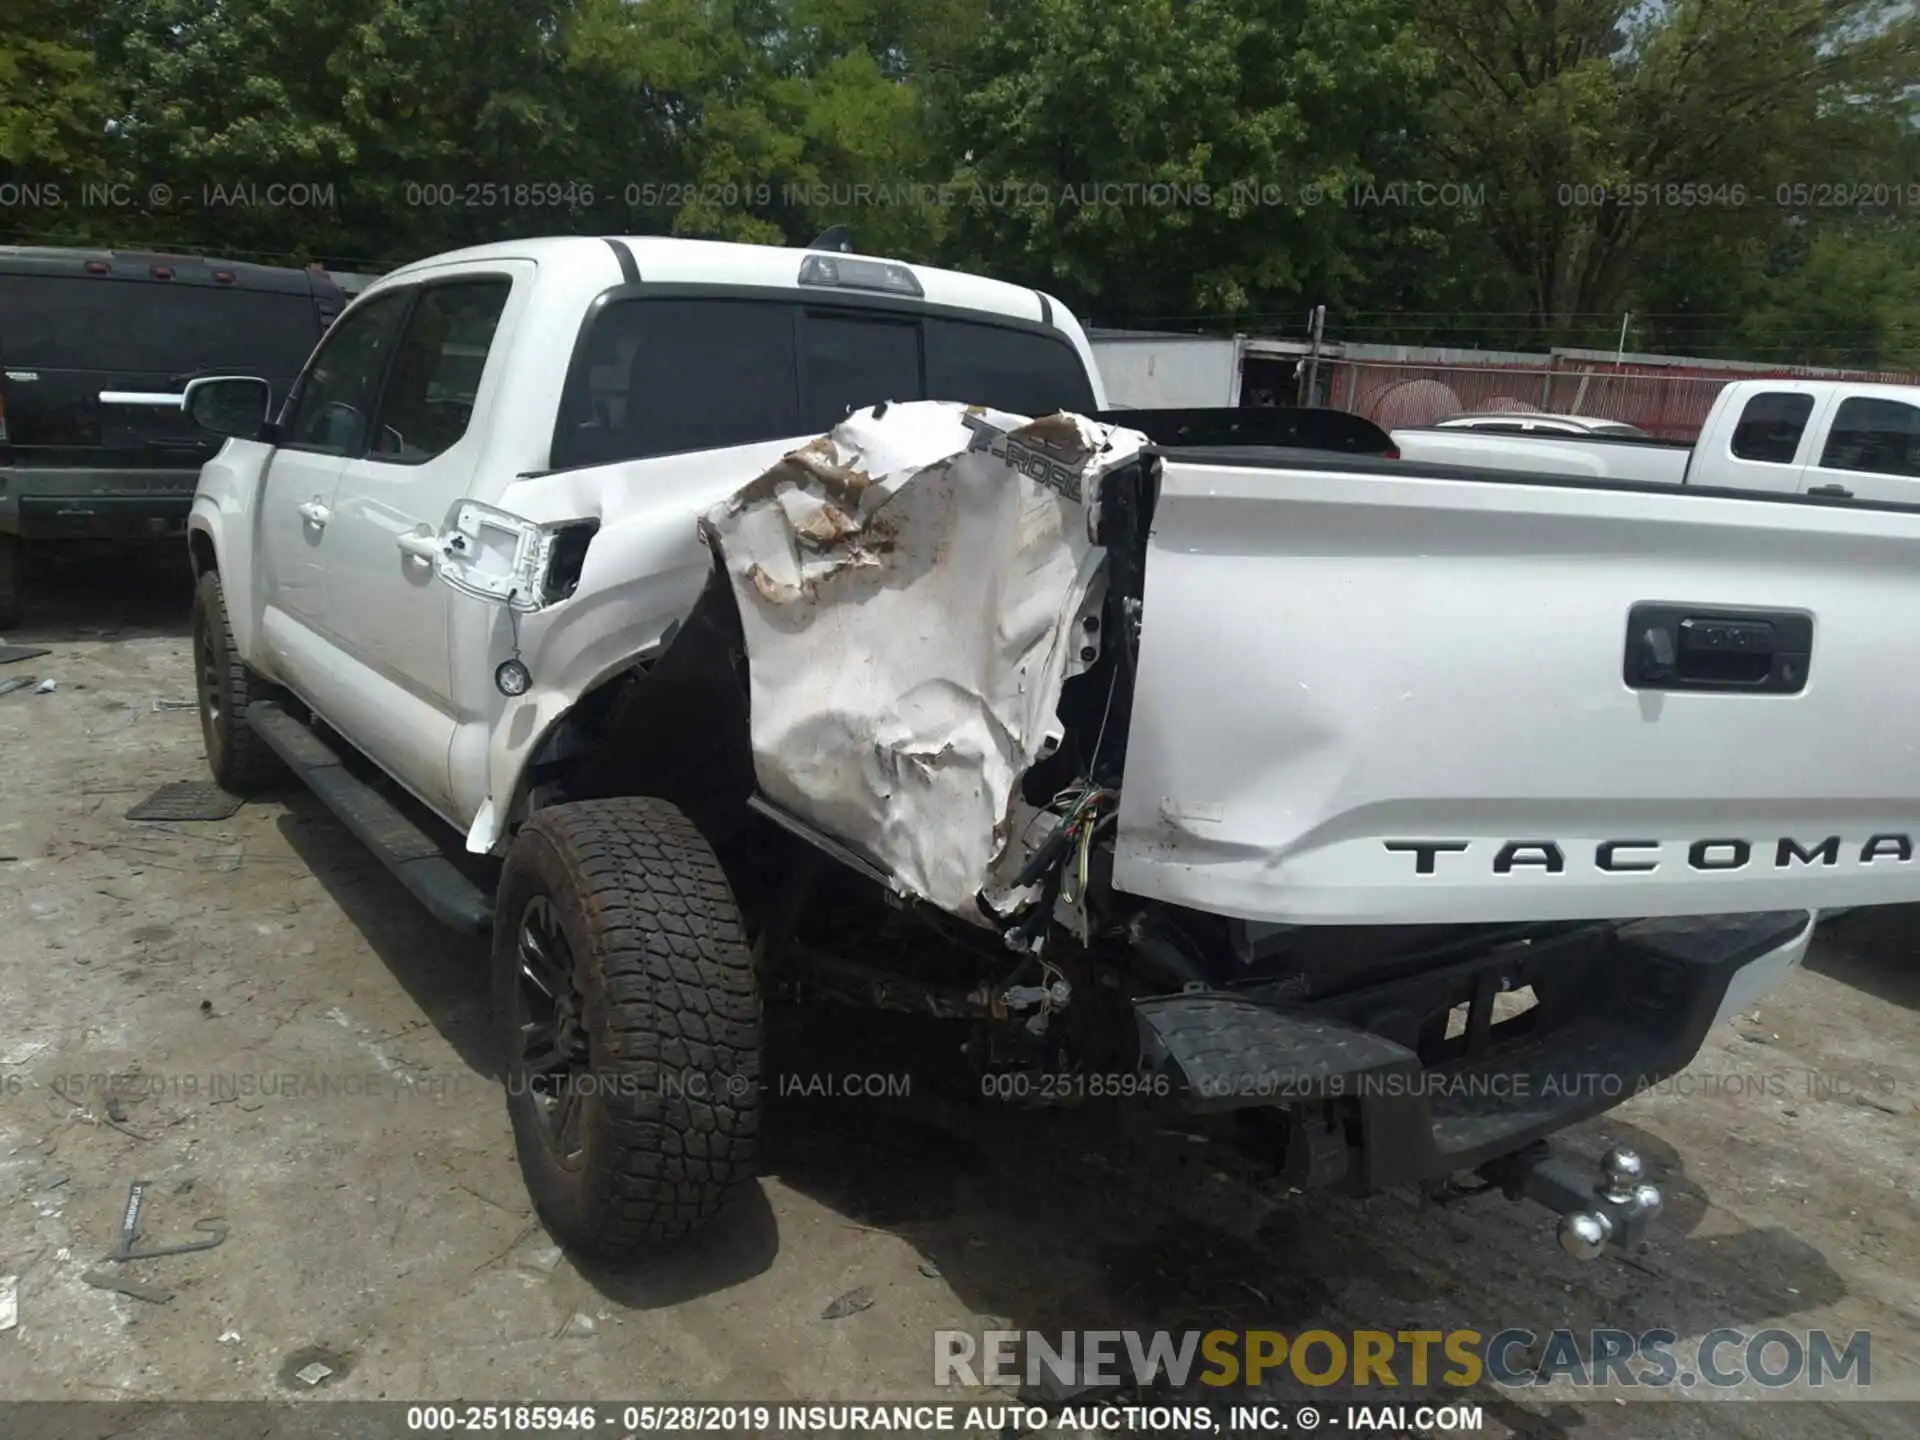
{"x": 1820, "y": 385}
{"x": 719, "y": 262}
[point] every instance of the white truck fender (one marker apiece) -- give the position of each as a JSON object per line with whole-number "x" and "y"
{"x": 642, "y": 572}
{"x": 525, "y": 725}
{"x": 220, "y": 530}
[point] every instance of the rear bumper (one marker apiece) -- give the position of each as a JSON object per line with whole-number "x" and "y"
{"x": 1619, "y": 1009}
{"x": 78, "y": 503}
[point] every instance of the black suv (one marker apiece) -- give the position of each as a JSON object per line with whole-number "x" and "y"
{"x": 95, "y": 349}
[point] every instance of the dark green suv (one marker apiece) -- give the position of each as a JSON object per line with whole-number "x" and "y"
{"x": 95, "y": 349}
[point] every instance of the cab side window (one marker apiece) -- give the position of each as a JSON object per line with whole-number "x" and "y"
{"x": 331, "y": 406}
{"x": 1881, "y": 436}
{"x": 429, "y": 395}
{"x": 1770, "y": 427}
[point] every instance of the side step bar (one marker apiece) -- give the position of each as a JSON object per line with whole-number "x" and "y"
{"x": 413, "y": 856}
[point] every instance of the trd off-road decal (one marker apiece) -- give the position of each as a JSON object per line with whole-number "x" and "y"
{"x": 1634, "y": 857}
{"x": 1035, "y": 460}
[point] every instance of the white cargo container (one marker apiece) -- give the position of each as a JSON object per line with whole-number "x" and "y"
{"x": 1169, "y": 372}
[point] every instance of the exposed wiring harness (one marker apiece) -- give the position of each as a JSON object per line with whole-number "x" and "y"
{"x": 1062, "y": 857}
{"x": 1079, "y": 826}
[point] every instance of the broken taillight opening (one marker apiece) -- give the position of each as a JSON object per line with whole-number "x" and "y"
{"x": 223, "y": 277}
{"x": 567, "y": 558}
{"x": 162, "y": 272}
{"x": 96, "y": 267}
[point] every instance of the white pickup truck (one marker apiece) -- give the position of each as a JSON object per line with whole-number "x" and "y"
{"x": 1809, "y": 437}
{"x": 706, "y": 595}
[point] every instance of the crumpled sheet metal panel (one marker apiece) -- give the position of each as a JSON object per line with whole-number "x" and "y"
{"x": 910, "y": 590}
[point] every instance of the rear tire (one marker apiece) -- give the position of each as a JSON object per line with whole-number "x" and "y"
{"x": 633, "y": 1024}
{"x": 10, "y": 548}
{"x": 240, "y": 760}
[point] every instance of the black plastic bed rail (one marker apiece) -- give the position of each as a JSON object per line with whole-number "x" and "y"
{"x": 1285, "y": 427}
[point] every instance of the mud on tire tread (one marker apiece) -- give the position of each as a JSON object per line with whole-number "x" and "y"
{"x": 239, "y": 759}
{"x": 673, "y": 1014}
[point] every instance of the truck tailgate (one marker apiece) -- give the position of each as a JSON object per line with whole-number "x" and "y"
{"x": 1369, "y": 695}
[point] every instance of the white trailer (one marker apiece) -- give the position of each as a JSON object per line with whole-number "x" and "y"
{"x": 1169, "y": 372}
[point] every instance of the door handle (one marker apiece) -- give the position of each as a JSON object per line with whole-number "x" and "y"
{"x": 1838, "y": 490}
{"x": 314, "y": 513}
{"x": 419, "y": 545}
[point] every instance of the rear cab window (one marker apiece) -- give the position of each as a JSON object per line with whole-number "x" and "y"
{"x": 848, "y": 361}
{"x": 668, "y": 374}
{"x": 1014, "y": 370}
{"x": 1770, "y": 427}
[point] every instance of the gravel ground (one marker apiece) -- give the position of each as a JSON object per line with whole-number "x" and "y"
{"x": 250, "y": 1015}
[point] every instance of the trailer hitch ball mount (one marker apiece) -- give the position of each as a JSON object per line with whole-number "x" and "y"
{"x": 1613, "y": 1210}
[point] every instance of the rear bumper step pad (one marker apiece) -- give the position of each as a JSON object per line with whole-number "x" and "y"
{"x": 1642, "y": 998}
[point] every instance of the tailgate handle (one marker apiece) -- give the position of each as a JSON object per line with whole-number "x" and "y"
{"x": 1685, "y": 647}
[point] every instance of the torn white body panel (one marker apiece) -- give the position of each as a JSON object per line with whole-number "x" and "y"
{"x": 912, "y": 598}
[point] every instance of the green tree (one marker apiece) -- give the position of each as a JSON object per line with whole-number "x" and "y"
{"x": 762, "y": 120}
{"x": 1852, "y": 299}
{"x": 1565, "y": 106}
{"x": 53, "y": 119}
{"x": 51, "y": 111}
{"x": 462, "y": 117}
{"x": 1232, "y": 127}
{"x": 213, "y": 94}
{"x": 405, "y": 112}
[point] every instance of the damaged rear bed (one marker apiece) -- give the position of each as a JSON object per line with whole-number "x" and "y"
{"x": 1349, "y": 691}
{"x": 1268, "y": 772}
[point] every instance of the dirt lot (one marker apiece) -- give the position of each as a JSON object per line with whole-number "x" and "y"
{"x": 297, "y": 1049}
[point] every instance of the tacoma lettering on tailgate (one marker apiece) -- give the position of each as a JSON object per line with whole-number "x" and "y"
{"x": 1634, "y": 857}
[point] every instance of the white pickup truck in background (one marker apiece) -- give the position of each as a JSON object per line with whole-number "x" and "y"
{"x": 1808, "y": 437}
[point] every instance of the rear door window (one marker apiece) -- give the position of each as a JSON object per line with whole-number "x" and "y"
{"x": 1770, "y": 427}
{"x": 429, "y": 395}
{"x": 332, "y": 403}
{"x": 1879, "y": 436}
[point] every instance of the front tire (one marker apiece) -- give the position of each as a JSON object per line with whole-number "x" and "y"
{"x": 633, "y": 1024}
{"x": 240, "y": 760}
